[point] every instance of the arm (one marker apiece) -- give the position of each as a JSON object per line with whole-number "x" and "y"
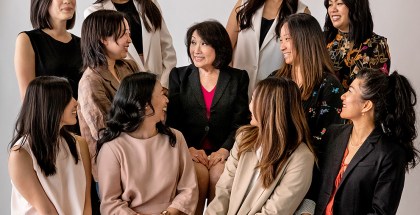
{"x": 186, "y": 198}
{"x": 84, "y": 151}
{"x": 174, "y": 107}
{"x": 381, "y": 58}
{"x": 167, "y": 50}
{"x": 220, "y": 204}
{"x": 26, "y": 181}
{"x": 291, "y": 189}
{"x": 232, "y": 26}
{"x": 109, "y": 175}
{"x": 24, "y": 62}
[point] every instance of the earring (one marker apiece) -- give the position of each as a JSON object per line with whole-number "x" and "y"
{"x": 363, "y": 114}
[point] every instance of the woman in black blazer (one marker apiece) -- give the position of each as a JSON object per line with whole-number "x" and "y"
{"x": 208, "y": 101}
{"x": 363, "y": 164}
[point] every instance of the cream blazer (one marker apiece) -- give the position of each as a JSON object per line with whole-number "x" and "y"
{"x": 259, "y": 62}
{"x": 158, "y": 50}
{"x": 282, "y": 197}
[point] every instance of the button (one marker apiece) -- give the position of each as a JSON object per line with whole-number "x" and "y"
{"x": 207, "y": 128}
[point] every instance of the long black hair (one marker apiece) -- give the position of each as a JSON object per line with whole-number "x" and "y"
{"x": 148, "y": 11}
{"x": 128, "y": 110}
{"x": 394, "y": 99}
{"x": 39, "y": 120}
{"x": 248, "y": 9}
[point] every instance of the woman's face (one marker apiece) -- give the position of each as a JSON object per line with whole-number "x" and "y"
{"x": 159, "y": 103}
{"x": 339, "y": 15}
{"x": 69, "y": 114}
{"x": 251, "y": 109}
{"x": 352, "y": 101}
{"x": 62, "y": 10}
{"x": 202, "y": 54}
{"x": 286, "y": 45}
{"x": 117, "y": 50}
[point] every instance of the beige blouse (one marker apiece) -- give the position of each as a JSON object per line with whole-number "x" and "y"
{"x": 66, "y": 189}
{"x": 146, "y": 175}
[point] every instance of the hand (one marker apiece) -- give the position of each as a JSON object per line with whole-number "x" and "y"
{"x": 219, "y": 156}
{"x": 199, "y": 156}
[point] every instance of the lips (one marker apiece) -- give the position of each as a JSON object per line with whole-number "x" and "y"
{"x": 335, "y": 18}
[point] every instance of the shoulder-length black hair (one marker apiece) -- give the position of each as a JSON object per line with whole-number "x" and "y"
{"x": 128, "y": 110}
{"x": 361, "y": 22}
{"x": 394, "y": 99}
{"x": 39, "y": 120}
{"x": 149, "y": 11}
{"x": 216, "y": 36}
{"x": 247, "y": 11}
{"x": 95, "y": 28}
{"x": 40, "y": 17}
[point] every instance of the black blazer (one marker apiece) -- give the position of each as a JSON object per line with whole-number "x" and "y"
{"x": 373, "y": 181}
{"x": 187, "y": 110}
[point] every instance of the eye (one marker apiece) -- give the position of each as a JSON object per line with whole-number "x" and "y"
{"x": 204, "y": 43}
{"x": 193, "y": 42}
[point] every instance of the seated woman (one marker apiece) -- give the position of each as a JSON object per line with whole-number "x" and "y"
{"x": 208, "y": 102}
{"x": 270, "y": 167}
{"x": 49, "y": 167}
{"x": 105, "y": 39}
{"x": 307, "y": 63}
{"x": 364, "y": 163}
{"x": 144, "y": 166}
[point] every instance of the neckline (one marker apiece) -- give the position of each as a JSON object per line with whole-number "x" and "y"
{"x": 58, "y": 41}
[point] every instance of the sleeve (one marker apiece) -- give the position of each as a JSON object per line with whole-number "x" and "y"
{"x": 220, "y": 204}
{"x": 167, "y": 50}
{"x": 94, "y": 104}
{"x": 91, "y": 9}
{"x": 292, "y": 188}
{"x": 380, "y": 57}
{"x": 329, "y": 108}
{"x": 241, "y": 114}
{"x": 109, "y": 175}
{"x": 174, "y": 107}
{"x": 187, "y": 190}
{"x": 390, "y": 184}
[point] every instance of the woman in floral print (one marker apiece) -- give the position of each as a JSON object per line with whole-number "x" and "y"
{"x": 308, "y": 64}
{"x": 351, "y": 42}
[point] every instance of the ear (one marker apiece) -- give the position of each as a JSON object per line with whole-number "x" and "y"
{"x": 104, "y": 41}
{"x": 367, "y": 106}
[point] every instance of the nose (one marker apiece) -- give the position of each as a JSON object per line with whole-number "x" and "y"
{"x": 343, "y": 96}
{"x": 333, "y": 7}
{"x": 197, "y": 48}
{"x": 282, "y": 46}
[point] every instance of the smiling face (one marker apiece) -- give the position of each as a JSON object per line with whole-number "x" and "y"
{"x": 286, "y": 45}
{"x": 353, "y": 104}
{"x": 339, "y": 15}
{"x": 159, "y": 102}
{"x": 202, "y": 54}
{"x": 69, "y": 114}
{"x": 62, "y": 9}
{"x": 117, "y": 50}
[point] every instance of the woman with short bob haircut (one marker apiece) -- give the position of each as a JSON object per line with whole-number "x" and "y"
{"x": 105, "y": 38}
{"x": 49, "y": 167}
{"x": 270, "y": 166}
{"x": 143, "y": 165}
{"x": 350, "y": 39}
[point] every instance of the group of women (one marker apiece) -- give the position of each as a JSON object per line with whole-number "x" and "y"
{"x": 246, "y": 127}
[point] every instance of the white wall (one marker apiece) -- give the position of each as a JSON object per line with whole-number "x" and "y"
{"x": 393, "y": 19}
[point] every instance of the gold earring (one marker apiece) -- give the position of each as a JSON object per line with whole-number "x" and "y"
{"x": 363, "y": 114}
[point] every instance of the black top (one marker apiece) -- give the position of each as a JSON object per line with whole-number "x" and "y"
{"x": 133, "y": 19}
{"x": 228, "y": 111}
{"x": 265, "y": 26}
{"x": 55, "y": 58}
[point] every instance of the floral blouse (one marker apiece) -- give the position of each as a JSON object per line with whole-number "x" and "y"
{"x": 348, "y": 60}
{"x": 323, "y": 108}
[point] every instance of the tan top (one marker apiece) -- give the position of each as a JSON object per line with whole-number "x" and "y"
{"x": 66, "y": 189}
{"x": 146, "y": 175}
{"x": 97, "y": 89}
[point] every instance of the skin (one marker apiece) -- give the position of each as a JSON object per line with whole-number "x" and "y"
{"x": 289, "y": 53}
{"x": 339, "y": 15}
{"x": 60, "y": 11}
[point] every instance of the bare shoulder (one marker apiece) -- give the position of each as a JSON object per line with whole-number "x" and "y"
{"x": 19, "y": 158}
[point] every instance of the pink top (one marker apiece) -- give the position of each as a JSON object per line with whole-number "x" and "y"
{"x": 208, "y": 99}
{"x": 146, "y": 176}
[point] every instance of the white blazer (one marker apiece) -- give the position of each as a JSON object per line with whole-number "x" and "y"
{"x": 259, "y": 62}
{"x": 158, "y": 50}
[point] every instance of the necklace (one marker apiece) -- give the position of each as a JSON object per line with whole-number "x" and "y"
{"x": 354, "y": 145}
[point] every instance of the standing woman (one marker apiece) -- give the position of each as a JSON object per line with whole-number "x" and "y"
{"x": 307, "y": 63}
{"x": 49, "y": 167}
{"x": 351, "y": 42}
{"x": 373, "y": 153}
{"x": 49, "y": 49}
{"x": 253, "y": 28}
{"x": 152, "y": 47}
{"x": 269, "y": 169}
{"x": 105, "y": 40}
{"x": 208, "y": 102}
{"x": 144, "y": 166}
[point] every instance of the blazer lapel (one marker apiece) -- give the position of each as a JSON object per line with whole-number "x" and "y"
{"x": 256, "y": 26}
{"x": 271, "y": 34}
{"x": 107, "y": 76}
{"x": 195, "y": 86}
{"x": 146, "y": 36}
{"x": 222, "y": 83}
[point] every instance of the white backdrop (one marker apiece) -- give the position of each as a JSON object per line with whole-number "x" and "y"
{"x": 393, "y": 19}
